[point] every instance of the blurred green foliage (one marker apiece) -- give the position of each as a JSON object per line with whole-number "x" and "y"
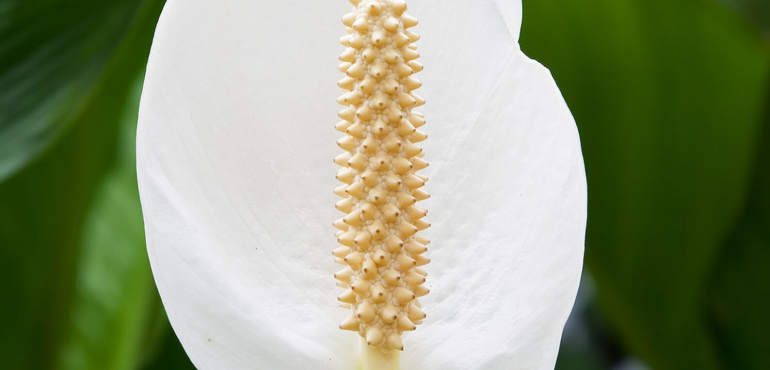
{"x": 738, "y": 299}
{"x": 52, "y": 55}
{"x": 77, "y": 278}
{"x": 670, "y": 98}
{"x": 757, "y": 11}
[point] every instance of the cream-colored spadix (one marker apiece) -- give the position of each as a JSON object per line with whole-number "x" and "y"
{"x": 383, "y": 149}
{"x": 235, "y": 168}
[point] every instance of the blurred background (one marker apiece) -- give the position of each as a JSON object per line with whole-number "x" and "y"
{"x": 671, "y": 98}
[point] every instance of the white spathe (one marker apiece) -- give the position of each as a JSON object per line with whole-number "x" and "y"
{"x": 235, "y": 149}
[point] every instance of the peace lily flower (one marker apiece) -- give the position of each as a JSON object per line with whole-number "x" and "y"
{"x": 234, "y": 158}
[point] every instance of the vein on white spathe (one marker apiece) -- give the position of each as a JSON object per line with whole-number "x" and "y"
{"x": 235, "y": 148}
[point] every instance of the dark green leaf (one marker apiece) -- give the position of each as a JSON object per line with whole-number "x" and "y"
{"x": 52, "y": 53}
{"x": 740, "y": 301}
{"x": 756, "y": 10}
{"x": 115, "y": 308}
{"x": 667, "y": 96}
{"x": 170, "y": 355}
{"x": 43, "y": 207}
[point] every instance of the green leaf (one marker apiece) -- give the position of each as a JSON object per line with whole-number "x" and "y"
{"x": 52, "y": 53}
{"x": 116, "y": 314}
{"x": 758, "y": 11}
{"x": 170, "y": 355}
{"x": 43, "y": 207}
{"x": 668, "y": 97}
{"x": 740, "y": 299}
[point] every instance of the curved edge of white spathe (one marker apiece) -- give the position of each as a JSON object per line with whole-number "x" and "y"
{"x": 147, "y": 174}
{"x": 578, "y": 202}
{"x": 581, "y": 179}
{"x": 512, "y": 11}
{"x": 161, "y": 205}
{"x": 581, "y": 220}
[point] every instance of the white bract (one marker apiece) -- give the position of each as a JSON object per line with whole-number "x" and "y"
{"x": 235, "y": 149}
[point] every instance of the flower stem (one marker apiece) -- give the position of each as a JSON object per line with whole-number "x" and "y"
{"x": 374, "y": 359}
